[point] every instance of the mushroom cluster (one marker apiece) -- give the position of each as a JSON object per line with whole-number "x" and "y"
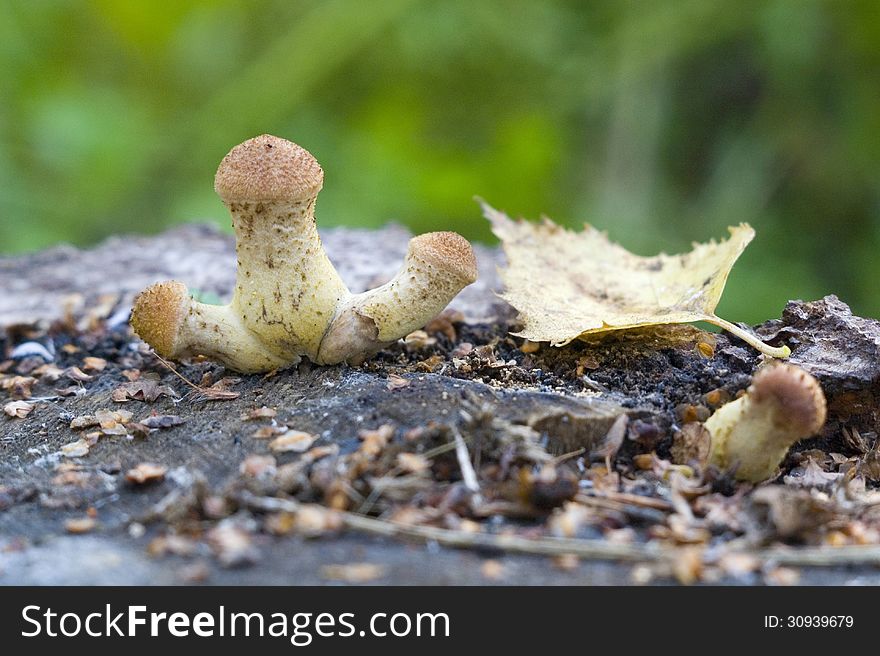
{"x": 289, "y": 301}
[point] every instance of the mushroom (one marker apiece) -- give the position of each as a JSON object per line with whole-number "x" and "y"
{"x": 437, "y": 266}
{"x": 752, "y": 434}
{"x": 286, "y": 289}
{"x": 176, "y": 326}
{"x": 289, "y": 301}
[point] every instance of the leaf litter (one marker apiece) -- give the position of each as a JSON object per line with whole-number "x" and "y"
{"x": 628, "y": 497}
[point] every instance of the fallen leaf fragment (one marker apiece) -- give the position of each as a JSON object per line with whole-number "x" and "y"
{"x": 691, "y": 445}
{"x": 444, "y": 323}
{"x": 492, "y": 569}
{"x": 353, "y": 572}
{"x": 687, "y": 565}
{"x": 83, "y": 421}
{"x": 782, "y": 576}
{"x": 256, "y": 466}
{"x": 91, "y": 363}
{"x": 417, "y": 340}
{"x": 811, "y": 474}
{"x": 297, "y": 441}
{"x": 313, "y": 520}
{"x": 396, "y": 382}
{"x": 76, "y": 449}
{"x": 412, "y": 463}
{"x": 80, "y": 525}
{"x": 178, "y": 545}
{"x": 18, "y": 409}
{"x": 19, "y": 387}
{"x": 220, "y": 391}
{"x": 70, "y": 390}
{"x": 259, "y": 413}
{"x": 232, "y": 545}
{"x": 77, "y": 374}
{"x": 567, "y": 285}
{"x": 141, "y": 390}
{"x": 373, "y": 441}
{"x": 265, "y": 432}
{"x": 48, "y": 373}
{"x": 162, "y": 421}
{"x": 131, "y": 375}
{"x": 110, "y": 419}
{"x": 145, "y": 472}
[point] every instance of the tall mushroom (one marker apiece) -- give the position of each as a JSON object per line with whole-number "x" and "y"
{"x": 286, "y": 289}
{"x": 289, "y": 301}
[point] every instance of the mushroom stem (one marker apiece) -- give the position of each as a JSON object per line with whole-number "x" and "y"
{"x": 174, "y": 324}
{"x": 437, "y": 266}
{"x": 783, "y": 405}
{"x": 286, "y": 288}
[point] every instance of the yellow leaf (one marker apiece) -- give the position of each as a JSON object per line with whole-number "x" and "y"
{"x": 567, "y": 285}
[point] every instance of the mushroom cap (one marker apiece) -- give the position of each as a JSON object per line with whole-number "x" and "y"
{"x": 268, "y": 168}
{"x": 797, "y": 396}
{"x": 446, "y": 251}
{"x": 158, "y": 313}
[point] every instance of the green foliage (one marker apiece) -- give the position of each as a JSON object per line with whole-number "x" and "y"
{"x": 660, "y": 121}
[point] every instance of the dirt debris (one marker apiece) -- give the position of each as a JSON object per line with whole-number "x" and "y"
{"x": 596, "y": 442}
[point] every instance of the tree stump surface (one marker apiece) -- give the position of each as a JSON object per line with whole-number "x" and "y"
{"x": 468, "y": 376}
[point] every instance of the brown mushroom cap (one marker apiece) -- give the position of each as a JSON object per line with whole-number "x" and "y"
{"x": 158, "y": 313}
{"x": 268, "y": 168}
{"x": 797, "y": 395}
{"x": 447, "y": 251}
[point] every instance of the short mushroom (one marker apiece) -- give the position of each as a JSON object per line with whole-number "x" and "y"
{"x": 289, "y": 301}
{"x": 437, "y": 266}
{"x": 176, "y": 326}
{"x": 752, "y": 434}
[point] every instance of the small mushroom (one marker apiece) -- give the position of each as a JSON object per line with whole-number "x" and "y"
{"x": 176, "y": 326}
{"x": 437, "y": 266}
{"x": 289, "y": 301}
{"x": 783, "y": 405}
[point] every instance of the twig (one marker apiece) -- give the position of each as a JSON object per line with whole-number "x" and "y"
{"x": 591, "y": 549}
{"x": 175, "y": 372}
{"x": 588, "y": 549}
{"x": 267, "y": 504}
{"x": 438, "y": 450}
{"x": 376, "y": 492}
{"x": 633, "y": 510}
{"x": 464, "y": 462}
{"x": 631, "y": 499}
{"x": 584, "y": 549}
{"x": 820, "y": 556}
{"x": 567, "y": 456}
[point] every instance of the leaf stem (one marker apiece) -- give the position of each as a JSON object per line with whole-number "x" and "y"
{"x": 750, "y": 339}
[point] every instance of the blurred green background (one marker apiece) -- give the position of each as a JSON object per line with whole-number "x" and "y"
{"x": 659, "y": 121}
